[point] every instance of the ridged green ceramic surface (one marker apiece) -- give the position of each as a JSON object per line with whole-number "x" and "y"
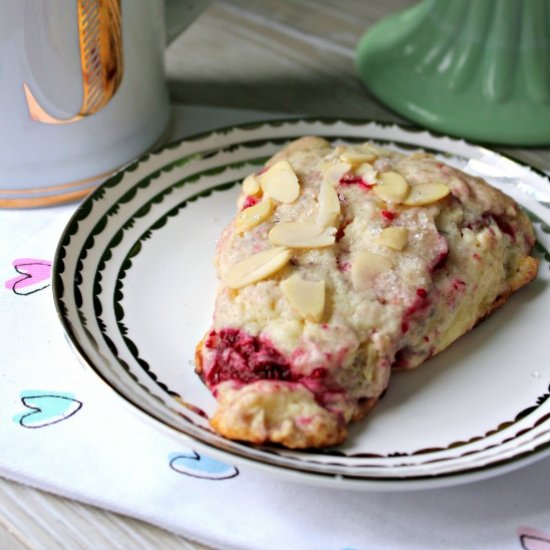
{"x": 479, "y": 69}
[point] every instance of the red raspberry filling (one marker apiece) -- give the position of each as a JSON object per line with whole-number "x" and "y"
{"x": 342, "y": 230}
{"x": 250, "y": 200}
{"x": 441, "y": 255}
{"x": 352, "y": 179}
{"x": 416, "y": 310}
{"x": 497, "y": 219}
{"x": 245, "y": 358}
{"x": 458, "y": 284}
{"x": 504, "y": 226}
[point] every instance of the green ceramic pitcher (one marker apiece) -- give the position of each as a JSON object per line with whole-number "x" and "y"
{"x": 479, "y": 69}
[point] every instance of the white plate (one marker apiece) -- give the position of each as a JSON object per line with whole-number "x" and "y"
{"x": 134, "y": 286}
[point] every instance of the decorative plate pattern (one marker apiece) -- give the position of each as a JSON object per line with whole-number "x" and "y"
{"x": 134, "y": 287}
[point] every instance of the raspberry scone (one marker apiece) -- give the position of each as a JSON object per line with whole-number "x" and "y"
{"x": 342, "y": 263}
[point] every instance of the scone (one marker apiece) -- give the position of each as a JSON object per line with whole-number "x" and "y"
{"x": 343, "y": 263}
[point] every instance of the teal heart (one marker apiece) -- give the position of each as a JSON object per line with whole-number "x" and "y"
{"x": 192, "y": 464}
{"x": 46, "y": 408}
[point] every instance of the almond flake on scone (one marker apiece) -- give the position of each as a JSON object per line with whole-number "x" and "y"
{"x": 343, "y": 263}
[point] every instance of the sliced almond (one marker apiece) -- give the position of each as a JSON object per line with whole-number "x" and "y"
{"x": 329, "y": 205}
{"x": 254, "y": 215}
{"x": 280, "y": 182}
{"x": 394, "y": 237}
{"x": 366, "y": 171}
{"x": 392, "y": 187}
{"x": 251, "y": 185}
{"x": 256, "y": 267}
{"x": 301, "y": 235}
{"x": 334, "y": 172}
{"x": 366, "y": 266}
{"x": 306, "y": 297}
{"x": 358, "y": 157}
{"x": 426, "y": 193}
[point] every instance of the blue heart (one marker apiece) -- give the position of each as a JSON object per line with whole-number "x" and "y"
{"x": 46, "y": 408}
{"x": 192, "y": 464}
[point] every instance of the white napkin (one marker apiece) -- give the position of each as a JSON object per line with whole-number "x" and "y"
{"x": 63, "y": 430}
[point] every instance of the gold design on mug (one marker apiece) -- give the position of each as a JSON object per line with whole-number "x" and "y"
{"x": 101, "y": 58}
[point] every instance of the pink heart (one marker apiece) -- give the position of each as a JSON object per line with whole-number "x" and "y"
{"x": 33, "y": 273}
{"x": 533, "y": 539}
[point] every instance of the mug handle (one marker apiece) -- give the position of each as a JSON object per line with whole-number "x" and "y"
{"x": 179, "y": 14}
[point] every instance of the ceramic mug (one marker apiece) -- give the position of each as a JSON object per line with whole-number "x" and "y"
{"x": 82, "y": 91}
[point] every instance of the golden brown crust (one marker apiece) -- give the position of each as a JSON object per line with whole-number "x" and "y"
{"x": 364, "y": 409}
{"x": 524, "y": 272}
{"x": 198, "y": 355}
{"x": 294, "y": 440}
{"x": 260, "y": 420}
